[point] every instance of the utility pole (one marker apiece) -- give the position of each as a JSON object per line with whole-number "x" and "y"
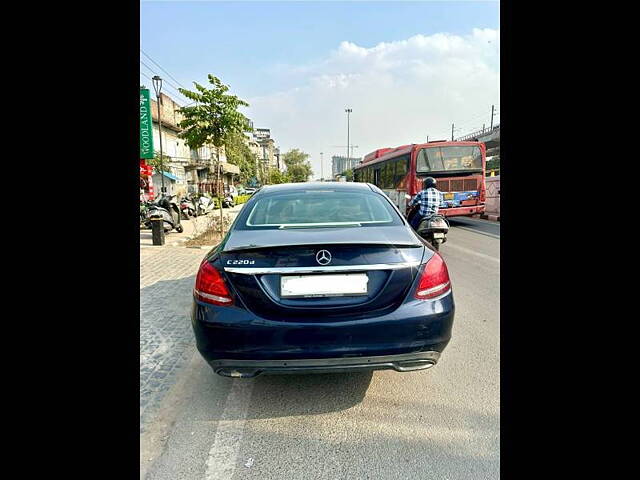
{"x": 348, "y": 110}
{"x": 492, "y": 114}
{"x": 321, "y": 168}
{"x": 483, "y": 128}
{"x": 157, "y": 86}
{"x": 427, "y": 138}
{"x": 452, "y": 132}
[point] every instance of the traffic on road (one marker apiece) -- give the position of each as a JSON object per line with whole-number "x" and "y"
{"x": 441, "y": 422}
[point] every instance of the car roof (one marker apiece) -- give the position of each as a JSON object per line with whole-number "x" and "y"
{"x": 306, "y": 186}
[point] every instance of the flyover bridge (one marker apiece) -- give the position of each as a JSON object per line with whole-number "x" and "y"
{"x": 490, "y": 137}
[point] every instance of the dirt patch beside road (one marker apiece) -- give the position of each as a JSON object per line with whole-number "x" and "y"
{"x": 209, "y": 233}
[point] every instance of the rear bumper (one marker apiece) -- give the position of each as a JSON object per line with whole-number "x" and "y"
{"x": 232, "y": 336}
{"x": 461, "y": 211}
{"x": 252, "y": 368}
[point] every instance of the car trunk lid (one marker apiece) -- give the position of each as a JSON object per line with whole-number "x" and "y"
{"x": 257, "y": 274}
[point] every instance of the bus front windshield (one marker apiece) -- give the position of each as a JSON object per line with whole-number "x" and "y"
{"x": 449, "y": 158}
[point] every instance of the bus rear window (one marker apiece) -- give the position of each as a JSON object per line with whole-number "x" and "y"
{"x": 449, "y": 158}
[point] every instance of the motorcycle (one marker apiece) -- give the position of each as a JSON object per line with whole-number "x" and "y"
{"x": 228, "y": 201}
{"x": 433, "y": 229}
{"x": 188, "y": 208}
{"x": 167, "y": 209}
{"x": 204, "y": 205}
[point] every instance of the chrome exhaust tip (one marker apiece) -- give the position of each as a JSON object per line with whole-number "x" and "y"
{"x": 412, "y": 365}
{"x": 235, "y": 373}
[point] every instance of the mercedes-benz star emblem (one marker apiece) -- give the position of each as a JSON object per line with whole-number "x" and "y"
{"x": 323, "y": 257}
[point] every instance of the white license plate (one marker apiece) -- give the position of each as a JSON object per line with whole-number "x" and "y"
{"x": 438, "y": 235}
{"x": 324, "y": 285}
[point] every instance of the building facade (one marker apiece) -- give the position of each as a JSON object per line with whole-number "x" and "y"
{"x": 340, "y": 164}
{"x": 186, "y": 170}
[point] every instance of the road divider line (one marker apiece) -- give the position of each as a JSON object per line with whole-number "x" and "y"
{"x": 477, "y": 231}
{"x": 223, "y": 455}
{"x": 471, "y": 252}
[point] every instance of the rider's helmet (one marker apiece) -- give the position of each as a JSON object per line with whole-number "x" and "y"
{"x": 429, "y": 182}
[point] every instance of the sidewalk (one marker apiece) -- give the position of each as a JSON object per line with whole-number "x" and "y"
{"x": 191, "y": 227}
{"x": 167, "y": 276}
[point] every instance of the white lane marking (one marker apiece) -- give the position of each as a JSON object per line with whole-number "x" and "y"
{"x": 466, "y": 250}
{"x": 223, "y": 455}
{"x": 478, "y": 231}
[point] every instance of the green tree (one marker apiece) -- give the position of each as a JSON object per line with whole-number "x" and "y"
{"x": 348, "y": 174}
{"x": 298, "y": 166}
{"x": 493, "y": 164}
{"x": 215, "y": 116}
{"x": 213, "y": 119}
{"x": 275, "y": 176}
{"x": 155, "y": 162}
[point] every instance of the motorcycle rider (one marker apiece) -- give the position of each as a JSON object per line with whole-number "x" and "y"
{"x": 429, "y": 199}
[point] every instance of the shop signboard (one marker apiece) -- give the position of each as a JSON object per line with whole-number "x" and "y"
{"x": 146, "y": 125}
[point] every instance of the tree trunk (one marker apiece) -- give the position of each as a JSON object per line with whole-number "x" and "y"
{"x": 220, "y": 193}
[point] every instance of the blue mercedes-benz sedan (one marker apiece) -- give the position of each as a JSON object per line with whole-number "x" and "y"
{"x": 321, "y": 277}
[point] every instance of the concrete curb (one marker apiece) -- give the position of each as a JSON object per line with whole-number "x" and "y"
{"x": 493, "y": 218}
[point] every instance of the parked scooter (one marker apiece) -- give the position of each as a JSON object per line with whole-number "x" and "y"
{"x": 167, "y": 209}
{"x": 188, "y": 208}
{"x": 433, "y": 229}
{"x": 204, "y": 205}
{"x": 228, "y": 201}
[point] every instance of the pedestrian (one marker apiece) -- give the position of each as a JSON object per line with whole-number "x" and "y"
{"x": 429, "y": 199}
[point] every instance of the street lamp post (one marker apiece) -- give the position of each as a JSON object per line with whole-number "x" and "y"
{"x": 348, "y": 110}
{"x": 321, "y": 167}
{"x": 157, "y": 86}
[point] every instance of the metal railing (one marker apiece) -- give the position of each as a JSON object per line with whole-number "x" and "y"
{"x": 478, "y": 133}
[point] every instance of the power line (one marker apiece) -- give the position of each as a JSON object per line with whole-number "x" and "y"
{"x": 146, "y": 55}
{"x": 165, "y": 80}
{"x": 184, "y": 99}
{"x": 172, "y": 91}
{"x": 175, "y": 100}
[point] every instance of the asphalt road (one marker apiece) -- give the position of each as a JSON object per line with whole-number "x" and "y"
{"x": 442, "y": 423}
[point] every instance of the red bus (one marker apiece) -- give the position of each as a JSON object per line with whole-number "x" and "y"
{"x": 458, "y": 167}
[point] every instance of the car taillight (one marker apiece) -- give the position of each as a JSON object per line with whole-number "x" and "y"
{"x": 434, "y": 280}
{"x": 210, "y": 286}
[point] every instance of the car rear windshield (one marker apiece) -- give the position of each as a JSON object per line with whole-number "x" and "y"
{"x": 321, "y": 208}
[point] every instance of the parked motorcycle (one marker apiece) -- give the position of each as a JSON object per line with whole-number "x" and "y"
{"x": 228, "y": 201}
{"x": 188, "y": 208}
{"x": 167, "y": 209}
{"x": 204, "y": 205}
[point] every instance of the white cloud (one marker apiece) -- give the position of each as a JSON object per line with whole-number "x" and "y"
{"x": 399, "y": 92}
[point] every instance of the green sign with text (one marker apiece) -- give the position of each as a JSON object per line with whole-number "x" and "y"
{"x": 146, "y": 125}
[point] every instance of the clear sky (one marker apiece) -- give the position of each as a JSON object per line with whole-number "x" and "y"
{"x": 407, "y": 69}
